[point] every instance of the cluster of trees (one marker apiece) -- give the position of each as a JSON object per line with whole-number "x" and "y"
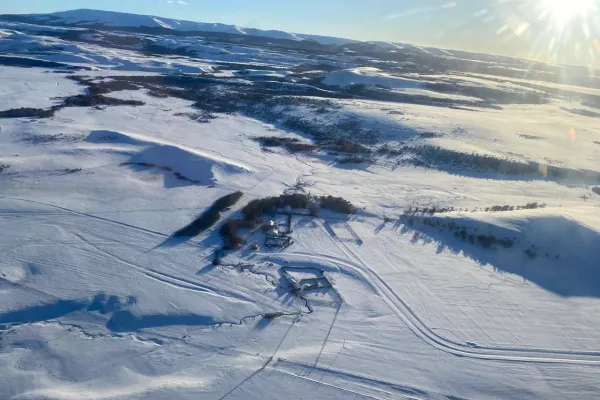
{"x": 436, "y": 157}
{"x": 430, "y": 156}
{"x": 337, "y": 204}
{"x": 255, "y": 210}
{"x": 528, "y": 206}
{"x": 259, "y": 207}
{"x": 442, "y": 210}
{"x": 354, "y": 159}
{"x": 293, "y": 145}
{"x": 229, "y": 232}
{"x": 344, "y": 136}
{"x": 33, "y": 138}
{"x": 27, "y": 112}
{"x": 462, "y": 232}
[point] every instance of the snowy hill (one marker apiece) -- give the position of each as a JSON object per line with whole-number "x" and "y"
{"x": 99, "y": 18}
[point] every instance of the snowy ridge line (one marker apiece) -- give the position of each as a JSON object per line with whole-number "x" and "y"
{"x": 88, "y": 18}
{"x": 420, "y": 329}
{"x": 213, "y": 154}
{"x": 196, "y": 151}
{"x": 101, "y": 136}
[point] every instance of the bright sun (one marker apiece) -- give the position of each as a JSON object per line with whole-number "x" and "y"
{"x": 564, "y": 11}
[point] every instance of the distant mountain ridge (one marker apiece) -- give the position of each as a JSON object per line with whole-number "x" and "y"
{"x": 93, "y": 18}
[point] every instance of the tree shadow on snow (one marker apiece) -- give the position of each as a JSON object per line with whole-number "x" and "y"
{"x": 263, "y": 323}
{"x": 43, "y": 312}
{"x": 126, "y": 321}
{"x": 101, "y": 302}
{"x": 556, "y": 253}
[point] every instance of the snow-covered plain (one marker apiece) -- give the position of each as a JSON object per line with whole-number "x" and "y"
{"x": 98, "y": 301}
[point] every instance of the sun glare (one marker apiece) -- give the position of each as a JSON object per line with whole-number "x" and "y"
{"x": 563, "y": 11}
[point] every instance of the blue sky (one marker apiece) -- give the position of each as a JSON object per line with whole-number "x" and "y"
{"x": 510, "y": 27}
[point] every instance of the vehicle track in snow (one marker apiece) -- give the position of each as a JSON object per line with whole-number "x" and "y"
{"x": 420, "y": 329}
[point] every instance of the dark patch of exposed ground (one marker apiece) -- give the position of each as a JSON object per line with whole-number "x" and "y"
{"x": 80, "y": 100}
{"x": 347, "y": 138}
{"x": 268, "y": 100}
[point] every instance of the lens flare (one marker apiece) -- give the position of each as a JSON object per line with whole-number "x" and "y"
{"x": 563, "y": 11}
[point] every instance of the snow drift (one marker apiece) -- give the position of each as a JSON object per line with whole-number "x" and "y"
{"x": 179, "y": 163}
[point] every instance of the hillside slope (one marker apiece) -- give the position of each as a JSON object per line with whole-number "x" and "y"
{"x": 99, "y": 18}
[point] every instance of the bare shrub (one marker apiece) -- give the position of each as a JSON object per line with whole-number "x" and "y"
{"x": 35, "y": 139}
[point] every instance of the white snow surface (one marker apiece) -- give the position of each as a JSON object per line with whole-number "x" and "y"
{"x": 98, "y": 301}
{"x": 37, "y": 89}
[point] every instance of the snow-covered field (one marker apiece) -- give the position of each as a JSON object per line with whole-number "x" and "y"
{"x": 494, "y": 294}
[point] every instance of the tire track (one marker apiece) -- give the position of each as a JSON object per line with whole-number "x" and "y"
{"x": 267, "y": 362}
{"x": 337, "y": 311}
